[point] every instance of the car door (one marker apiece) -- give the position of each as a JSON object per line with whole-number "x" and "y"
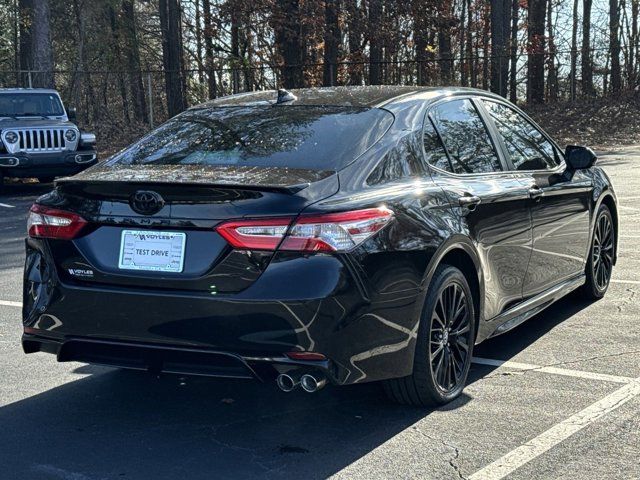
{"x": 559, "y": 205}
{"x": 490, "y": 203}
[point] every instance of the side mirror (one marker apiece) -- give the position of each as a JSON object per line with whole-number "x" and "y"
{"x": 579, "y": 158}
{"x": 71, "y": 114}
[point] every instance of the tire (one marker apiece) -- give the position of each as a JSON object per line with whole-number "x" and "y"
{"x": 427, "y": 385}
{"x": 601, "y": 254}
{"x": 46, "y": 179}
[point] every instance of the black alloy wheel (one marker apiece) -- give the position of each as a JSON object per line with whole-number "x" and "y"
{"x": 449, "y": 337}
{"x": 601, "y": 255}
{"x": 444, "y": 345}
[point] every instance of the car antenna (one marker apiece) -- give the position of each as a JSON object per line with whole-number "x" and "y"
{"x": 285, "y": 96}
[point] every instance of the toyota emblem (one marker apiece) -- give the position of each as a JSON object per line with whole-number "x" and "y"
{"x": 146, "y": 203}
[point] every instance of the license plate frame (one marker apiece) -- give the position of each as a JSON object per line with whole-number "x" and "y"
{"x": 136, "y": 247}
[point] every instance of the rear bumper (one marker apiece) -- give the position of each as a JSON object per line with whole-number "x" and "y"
{"x": 46, "y": 164}
{"x": 167, "y": 359}
{"x": 316, "y": 303}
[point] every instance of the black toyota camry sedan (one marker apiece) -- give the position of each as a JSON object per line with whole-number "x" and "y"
{"x": 318, "y": 236}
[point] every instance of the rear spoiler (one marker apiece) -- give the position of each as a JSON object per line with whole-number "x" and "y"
{"x": 277, "y": 179}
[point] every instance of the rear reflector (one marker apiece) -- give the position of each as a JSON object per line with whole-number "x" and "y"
{"x": 45, "y": 222}
{"x": 307, "y": 356}
{"x": 333, "y": 232}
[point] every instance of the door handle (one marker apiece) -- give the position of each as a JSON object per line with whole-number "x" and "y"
{"x": 536, "y": 193}
{"x": 469, "y": 201}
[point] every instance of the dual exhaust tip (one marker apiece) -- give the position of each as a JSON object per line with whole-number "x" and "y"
{"x": 310, "y": 382}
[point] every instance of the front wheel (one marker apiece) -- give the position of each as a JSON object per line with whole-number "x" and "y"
{"x": 444, "y": 345}
{"x": 601, "y": 255}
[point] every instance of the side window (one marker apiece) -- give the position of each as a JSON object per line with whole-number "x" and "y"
{"x": 527, "y": 146}
{"x": 434, "y": 151}
{"x": 466, "y": 137}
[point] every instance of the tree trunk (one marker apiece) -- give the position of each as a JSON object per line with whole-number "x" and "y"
{"x": 420, "y": 33}
{"x": 552, "y": 76}
{"x": 536, "y": 47}
{"x": 635, "y": 51}
{"x": 132, "y": 56}
{"x": 614, "y": 45}
{"x": 587, "y": 72}
{"x": 513, "y": 48}
{"x": 472, "y": 64}
{"x": 115, "y": 45}
{"x": 499, "y": 35}
{"x": 42, "y": 52}
{"x": 355, "y": 19}
{"x": 375, "y": 42}
{"x": 332, "y": 37}
{"x": 209, "y": 33}
{"x": 574, "y": 52}
{"x": 444, "y": 41}
{"x": 464, "y": 77}
{"x": 171, "y": 55}
{"x": 286, "y": 25}
{"x": 486, "y": 33}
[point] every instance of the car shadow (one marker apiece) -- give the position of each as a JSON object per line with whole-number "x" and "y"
{"x": 120, "y": 424}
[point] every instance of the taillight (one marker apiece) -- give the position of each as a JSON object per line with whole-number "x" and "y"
{"x": 333, "y": 232}
{"x": 45, "y": 222}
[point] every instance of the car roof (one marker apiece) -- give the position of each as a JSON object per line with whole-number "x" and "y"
{"x": 364, "y": 96}
{"x": 28, "y": 90}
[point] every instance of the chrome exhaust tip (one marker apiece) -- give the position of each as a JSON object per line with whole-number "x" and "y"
{"x": 286, "y": 382}
{"x": 312, "y": 382}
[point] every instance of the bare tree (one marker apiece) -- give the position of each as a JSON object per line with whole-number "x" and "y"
{"x": 586, "y": 70}
{"x": 499, "y": 35}
{"x": 375, "y": 41}
{"x": 574, "y": 52}
{"x": 513, "y": 47}
{"x": 332, "y": 37}
{"x": 536, "y": 47}
{"x": 614, "y": 45}
{"x": 288, "y": 42}
{"x": 172, "y": 55}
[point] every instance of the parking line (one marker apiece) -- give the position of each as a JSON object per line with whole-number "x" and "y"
{"x": 553, "y": 370}
{"x": 631, "y": 282}
{"x": 7, "y": 303}
{"x": 556, "y": 434}
{"x": 5, "y": 205}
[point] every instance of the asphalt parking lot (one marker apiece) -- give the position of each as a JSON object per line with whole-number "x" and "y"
{"x": 558, "y": 397}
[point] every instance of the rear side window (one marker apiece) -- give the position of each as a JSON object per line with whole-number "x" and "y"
{"x": 305, "y": 137}
{"x": 527, "y": 146}
{"x": 434, "y": 151}
{"x": 465, "y": 137}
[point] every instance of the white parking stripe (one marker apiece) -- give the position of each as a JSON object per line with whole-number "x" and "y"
{"x": 7, "y": 303}
{"x": 553, "y": 370}
{"x": 556, "y": 434}
{"x": 6, "y": 205}
{"x": 630, "y": 282}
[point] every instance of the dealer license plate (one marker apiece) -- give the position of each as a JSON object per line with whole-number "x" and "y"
{"x": 152, "y": 251}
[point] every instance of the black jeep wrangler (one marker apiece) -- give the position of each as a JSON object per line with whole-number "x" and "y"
{"x": 38, "y": 137}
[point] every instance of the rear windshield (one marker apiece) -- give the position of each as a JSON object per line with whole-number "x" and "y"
{"x": 30, "y": 104}
{"x": 308, "y": 137}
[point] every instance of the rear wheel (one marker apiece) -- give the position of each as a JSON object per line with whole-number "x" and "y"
{"x": 444, "y": 346}
{"x": 601, "y": 255}
{"x": 46, "y": 179}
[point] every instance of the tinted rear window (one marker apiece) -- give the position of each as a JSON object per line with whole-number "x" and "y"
{"x": 318, "y": 138}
